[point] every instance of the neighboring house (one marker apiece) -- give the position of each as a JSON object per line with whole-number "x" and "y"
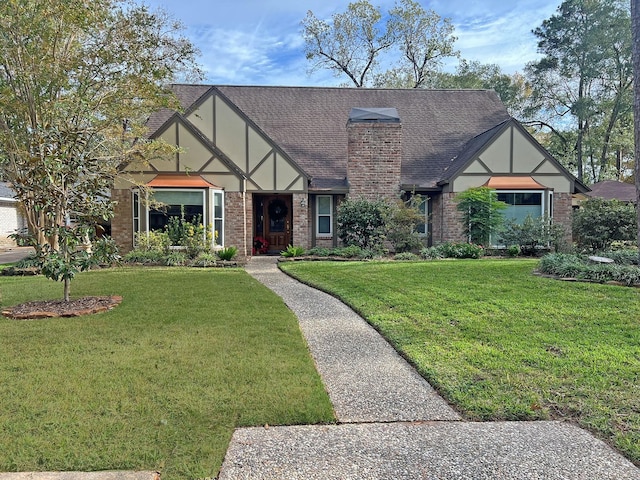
{"x": 11, "y": 218}
{"x": 614, "y": 190}
{"x": 273, "y": 163}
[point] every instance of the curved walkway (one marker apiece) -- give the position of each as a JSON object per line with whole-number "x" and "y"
{"x": 391, "y": 423}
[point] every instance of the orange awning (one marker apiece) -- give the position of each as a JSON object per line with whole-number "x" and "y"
{"x": 180, "y": 180}
{"x": 514, "y": 183}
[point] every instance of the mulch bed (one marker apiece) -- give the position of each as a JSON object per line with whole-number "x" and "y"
{"x": 60, "y": 308}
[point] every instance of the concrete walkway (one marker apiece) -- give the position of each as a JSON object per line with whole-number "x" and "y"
{"x": 391, "y": 423}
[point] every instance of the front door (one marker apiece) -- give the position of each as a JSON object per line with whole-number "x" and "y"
{"x": 273, "y": 222}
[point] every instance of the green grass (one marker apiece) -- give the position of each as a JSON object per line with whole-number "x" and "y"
{"x": 503, "y": 344}
{"x": 158, "y": 383}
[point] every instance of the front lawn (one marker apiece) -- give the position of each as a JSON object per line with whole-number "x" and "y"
{"x": 503, "y": 344}
{"x": 158, "y": 383}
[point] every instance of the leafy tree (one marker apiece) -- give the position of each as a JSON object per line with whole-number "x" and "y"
{"x": 585, "y": 76}
{"x": 635, "y": 17}
{"x": 513, "y": 90}
{"x": 481, "y": 213}
{"x": 599, "y": 222}
{"x": 78, "y": 80}
{"x": 362, "y": 223}
{"x": 353, "y": 42}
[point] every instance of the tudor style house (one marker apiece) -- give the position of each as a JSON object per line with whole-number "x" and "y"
{"x": 268, "y": 166}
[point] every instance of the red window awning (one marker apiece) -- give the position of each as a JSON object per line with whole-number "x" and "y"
{"x": 180, "y": 181}
{"x": 514, "y": 183}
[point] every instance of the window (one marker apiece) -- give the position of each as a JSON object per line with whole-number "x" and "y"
{"x": 218, "y": 217}
{"x": 324, "y": 215}
{"x": 174, "y": 203}
{"x": 423, "y": 207}
{"x": 136, "y": 211}
{"x": 522, "y": 203}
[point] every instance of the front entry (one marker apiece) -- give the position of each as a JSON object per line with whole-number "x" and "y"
{"x": 273, "y": 217}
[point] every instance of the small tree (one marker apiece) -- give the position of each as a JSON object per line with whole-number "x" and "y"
{"x": 481, "y": 213}
{"x": 403, "y": 221}
{"x": 599, "y": 222}
{"x": 362, "y": 222}
{"x": 78, "y": 80}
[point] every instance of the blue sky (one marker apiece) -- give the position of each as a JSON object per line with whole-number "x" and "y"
{"x": 259, "y": 42}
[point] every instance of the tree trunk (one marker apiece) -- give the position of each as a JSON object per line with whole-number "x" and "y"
{"x": 635, "y": 35}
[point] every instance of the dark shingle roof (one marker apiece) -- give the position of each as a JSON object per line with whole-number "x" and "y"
{"x": 309, "y": 123}
{"x": 611, "y": 189}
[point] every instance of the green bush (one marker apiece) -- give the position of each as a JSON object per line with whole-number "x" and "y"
{"x": 460, "y": 250}
{"x": 513, "y": 250}
{"x": 404, "y": 218}
{"x": 320, "y": 251}
{"x": 578, "y": 266}
{"x": 622, "y": 257}
{"x": 598, "y": 223}
{"x": 145, "y": 257}
{"x": 155, "y": 241}
{"x": 362, "y": 223}
{"x": 406, "y": 256}
{"x": 227, "y": 253}
{"x": 205, "y": 259}
{"x": 431, "y": 253}
{"x": 292, "y": 251}
{"x": 352, "y": 251}
{"x": 532, "y": 234}
{"x": 176, "y": 259}
{"x": 481, "y": 213}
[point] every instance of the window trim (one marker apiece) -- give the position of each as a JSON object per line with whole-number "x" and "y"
{"x": 318, "y": 215}
{"x": 544, "y": 198}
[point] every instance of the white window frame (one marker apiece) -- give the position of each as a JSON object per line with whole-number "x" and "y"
{"x": 425, "y": 202}
{"x": 135, "y": 213}
{"x": 220, "y": 241}
{"x": 318, "y": 215}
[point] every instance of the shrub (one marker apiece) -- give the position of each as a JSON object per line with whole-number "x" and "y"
{"x": 175, "y": 259}
{"x": 352, "y": 251}
{"x": 513, "y": 250}
{"x": 532, "y": 234}
{"x": 292, "y": 251}
{"x": 205, "y": 259}
{"x": 407, "y": 256}
{"x": 576, "y": 266}
{"x": 431, "y": 253}
{"x": 460, "y": 250}
{"x": 320, "y": 251}
{"x": 404, "y": 218}
{"x": 155, "y": 241}
{"x": 362, "y": 223}
{"x": 622, "y": 257}
{"x": 144, "y": 257}
{"x": 598, "y": 223}
{"x": 481, "y": 213}
{"x": 227, "y": 253}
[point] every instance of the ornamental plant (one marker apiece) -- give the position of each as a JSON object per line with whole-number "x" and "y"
{"x": 362, "y": 223}
{"x": 481, "y": 213}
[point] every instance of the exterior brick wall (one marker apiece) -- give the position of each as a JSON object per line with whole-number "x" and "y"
{"x": 234, "y": 217}
{"x": 374, "y": 153}
{"x": 446, "y": 220}
{"x": 563, "y": 213}
{"x": 301, "y": 224}
{"x": 122, "y": 222}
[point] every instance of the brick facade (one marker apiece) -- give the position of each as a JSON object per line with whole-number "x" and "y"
{"x": 301, "y": 228}
{"x": 122, "y": 223}
{"x": 235, "y": 231}
{"x": 563, "y": 213}
{"x": 374, "y": 159}
{"x": 446, "y": 220}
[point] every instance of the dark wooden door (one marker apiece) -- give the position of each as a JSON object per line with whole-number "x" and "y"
{"x": 277, "y": 221}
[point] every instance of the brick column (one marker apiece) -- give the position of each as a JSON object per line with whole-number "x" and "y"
{"x": 234, "y": 218}
{"x": 122, "y": 222}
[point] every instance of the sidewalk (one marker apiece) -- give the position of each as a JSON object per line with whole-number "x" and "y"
{"x": 391, "y": 423}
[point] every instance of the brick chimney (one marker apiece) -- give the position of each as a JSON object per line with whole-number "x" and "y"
{"x": 374, "y": 153}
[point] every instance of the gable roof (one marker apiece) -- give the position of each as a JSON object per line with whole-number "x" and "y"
{"x": 309, "y": 123}
{"x": 614, "y": 190}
